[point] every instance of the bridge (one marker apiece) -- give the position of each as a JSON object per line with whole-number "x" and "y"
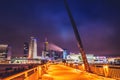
{"x": 60, "y": 71}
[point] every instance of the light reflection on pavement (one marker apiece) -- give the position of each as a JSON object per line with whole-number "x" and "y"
{"x": 61, "y": 72}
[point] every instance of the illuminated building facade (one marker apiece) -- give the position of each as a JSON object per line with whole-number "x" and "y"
{"x": 114, "y": 60}
{"x": 56, "y": 55}
{"x": 32, "y": 48}
{"x": 51, "y": 51}
{"x": 5, "y": 52}
{"x": 65, "y": 54}
{"x": 78, "y": 58}
{"x": 100, "y": 59}
{"x": 45, "y": 52}
{"x": 46, "y": 45}
{"x": 26, "y": 49}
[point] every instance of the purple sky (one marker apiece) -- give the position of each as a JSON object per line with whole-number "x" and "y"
{"x": 98, "y": 22}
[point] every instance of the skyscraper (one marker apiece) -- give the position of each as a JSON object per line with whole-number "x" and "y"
{"x": 5, "y": 52}
{"x": 65, "y": 54}
{"x": 32, "y": 48}
{"x": 46, "y": 45}
{"x": 45, "y": 52}
{"x": 9, "y": 52}
{"x": 26, "y": 49}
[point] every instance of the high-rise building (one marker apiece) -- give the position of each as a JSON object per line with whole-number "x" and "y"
{"x": 46, "y": 45}
{"x": 26, "y": 49}
{"x": 9, "y": 53}
{"x": 32, "y": 48}
{"x": 45, "y": 53}
{"x": 65, "y": 54}
{"x": 5, "y": 52}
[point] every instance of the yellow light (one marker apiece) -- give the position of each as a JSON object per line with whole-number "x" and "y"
{"x": 105, "y": 68}
{"x": 83, "y": 66}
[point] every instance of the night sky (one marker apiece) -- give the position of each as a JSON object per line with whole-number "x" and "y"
{"x": 98, "y": 22}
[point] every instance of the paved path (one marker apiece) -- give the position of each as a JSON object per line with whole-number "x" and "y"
{"x": 61, "y": 72}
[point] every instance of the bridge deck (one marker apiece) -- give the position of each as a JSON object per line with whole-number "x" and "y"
{"x": 61, "y": 72}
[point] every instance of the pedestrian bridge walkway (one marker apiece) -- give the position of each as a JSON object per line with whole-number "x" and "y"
{"x": 55, "y": 72}
{"x": 61, "y": 72}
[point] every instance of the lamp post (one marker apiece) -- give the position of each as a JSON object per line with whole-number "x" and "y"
{"x": 79, "y": 42}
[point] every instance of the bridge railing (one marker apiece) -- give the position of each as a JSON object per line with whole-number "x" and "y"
{"x": 111, "y": 71}
{"x": 31, "y": 74}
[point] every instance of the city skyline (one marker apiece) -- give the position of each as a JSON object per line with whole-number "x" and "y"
{"x": 97, "y": 22}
